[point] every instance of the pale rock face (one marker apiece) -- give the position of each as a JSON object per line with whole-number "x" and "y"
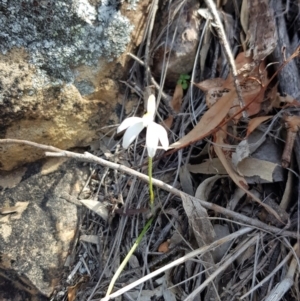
{"x": 59, "y": 74}
{"x": 36, "y": 236}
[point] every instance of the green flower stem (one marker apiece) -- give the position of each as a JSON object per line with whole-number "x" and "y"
{"x": 151, "y": 193}
{"x": 124, "y": 262}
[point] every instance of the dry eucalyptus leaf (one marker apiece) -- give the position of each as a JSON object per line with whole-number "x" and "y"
{"x": 93, "y": 239}
{"x": 97, "y": 207}
{"x": 198, "y": 220}
{"x": 186, "y": 180}
{"x": 209, "y": 167}
{"x": 255, "y": 122}
{"x": 209, "y": 121}
{"x": 220, "y": 137}
{"x": 221, "y": 231}
{"x": 205, "y": 187}
{"x": 237, "y": 179}
{"x": 251, "y": 167}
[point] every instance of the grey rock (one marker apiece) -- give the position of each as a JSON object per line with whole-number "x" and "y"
{"x": 62, "y": 34}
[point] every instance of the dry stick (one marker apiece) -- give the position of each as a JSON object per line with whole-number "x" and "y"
{"x": 164, "y": 96}
{"x": 222, "y": 268}
{"x": 280, "y": 265}
{"x": 87, "y": 157}
{"x": 154, "y": 8}
{"x": 280, "y": 289}
{"x": 179, "y": 261}
{"x": 223, "y": 40}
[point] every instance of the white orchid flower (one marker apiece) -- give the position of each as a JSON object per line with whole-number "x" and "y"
{"x": 155, "y": 132}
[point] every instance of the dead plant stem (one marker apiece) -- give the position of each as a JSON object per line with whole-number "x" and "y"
{"x": 228, "y": 53}
{"x": 87, "y": 157}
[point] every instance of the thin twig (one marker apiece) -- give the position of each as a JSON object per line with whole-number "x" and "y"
{"x": 87, "y": 157}
{"x": 228, "y": 53}
{"x": 154, "y": 8}
{"x": 165, "y": 97}
{"x": 279, "y": 290}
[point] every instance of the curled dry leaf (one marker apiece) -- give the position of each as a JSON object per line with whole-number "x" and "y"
{"x": 222, "y": 99}
{"x": 186, "y": 180}
{"x": 255, "y": 122}
{"x": 252, "y": 167}
{"x": 199, "y": 220}
{"x": 205, "y": 187}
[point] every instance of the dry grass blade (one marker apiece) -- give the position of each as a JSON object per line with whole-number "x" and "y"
{"x": 280, "y": 290}
{"x": 223, "y": 267}
{"x": 279, "y": 266}
{"x": 179, "y": 261}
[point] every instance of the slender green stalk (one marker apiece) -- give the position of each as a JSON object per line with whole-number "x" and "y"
{"x": 124, "y": 262}
{"x": 151, "y": 193}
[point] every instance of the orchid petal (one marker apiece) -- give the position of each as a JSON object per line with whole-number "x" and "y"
{"x": 132, "y": 132}
{"x": 128, "y": 122}
{"x": 152, "y": 139}
{"x": 151, "y": 106}
{"x": 163, "y": 136}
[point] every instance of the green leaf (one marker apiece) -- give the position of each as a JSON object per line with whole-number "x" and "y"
{"x": 184, "y": 85}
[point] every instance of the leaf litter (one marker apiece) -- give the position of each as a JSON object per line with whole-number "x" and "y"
{"x": 222, "y": 155}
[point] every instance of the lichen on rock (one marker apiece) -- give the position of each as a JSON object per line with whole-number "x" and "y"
{"x": 59, "y": 35}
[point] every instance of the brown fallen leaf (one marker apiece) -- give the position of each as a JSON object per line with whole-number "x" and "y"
{"x": 209, "y": 121}
{"x": 164, "y": 247}
{"x": 255, "y": 122}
